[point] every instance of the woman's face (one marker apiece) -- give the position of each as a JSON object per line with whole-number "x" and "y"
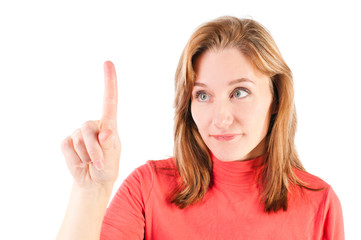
{"x": 231, "y": 104}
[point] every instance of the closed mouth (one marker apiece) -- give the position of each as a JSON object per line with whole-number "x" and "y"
{"x": 225, "y": 137}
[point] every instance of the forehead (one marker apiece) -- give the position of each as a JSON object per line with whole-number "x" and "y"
{"x": 226, "y": 65}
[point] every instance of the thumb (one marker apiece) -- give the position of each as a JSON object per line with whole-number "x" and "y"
{"x": 105, "y": 139}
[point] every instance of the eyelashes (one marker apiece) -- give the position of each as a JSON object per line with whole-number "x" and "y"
{"x": 238, "y": 93}
{"x": 201, "y": 96}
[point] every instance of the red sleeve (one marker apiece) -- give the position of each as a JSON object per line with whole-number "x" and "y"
{"x": 124, "y": 218}
{"x": 333, "y": 219}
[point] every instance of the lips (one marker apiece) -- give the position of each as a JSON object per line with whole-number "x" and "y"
{"x": 225, "y": 137}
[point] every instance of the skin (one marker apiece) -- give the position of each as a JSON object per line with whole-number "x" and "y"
{"x": 220, "y": 105}
{"x": 92, "y": 154}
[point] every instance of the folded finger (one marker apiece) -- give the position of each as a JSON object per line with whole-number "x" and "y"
{"x": 79, "y": 146}
{"x": 71, "y": 157}
{"x": 90, "y": 131}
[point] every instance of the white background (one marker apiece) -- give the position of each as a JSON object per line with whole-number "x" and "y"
{"x": 51, "y": 81}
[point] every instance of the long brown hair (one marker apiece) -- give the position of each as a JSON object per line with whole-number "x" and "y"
{"x": 191, "y": 154}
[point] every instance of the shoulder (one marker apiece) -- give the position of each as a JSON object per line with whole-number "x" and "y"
{"x": 162, "y": 166}
{"x": 164, "y": 163}
{"x": 155, "y": 171}
{"x": 141, "y": 182}
{"x": 322, "y": 200}
{"x": 314, "y": 190}
{"x": 317, "y": 189}
{"x": 155, "y": 179}
{"x": 310, "y": 180}
{"x": 125, "y": 215}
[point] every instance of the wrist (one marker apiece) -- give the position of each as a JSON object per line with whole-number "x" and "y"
{"x": 93, "y": 189}
{"x": 85, "y": 212}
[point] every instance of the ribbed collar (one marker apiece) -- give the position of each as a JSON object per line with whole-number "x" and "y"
{"x": 240, "y": 174}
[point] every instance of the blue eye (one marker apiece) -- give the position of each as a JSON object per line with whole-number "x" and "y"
{"x": 240, "y": 93}
{"x": 202, "y": 96}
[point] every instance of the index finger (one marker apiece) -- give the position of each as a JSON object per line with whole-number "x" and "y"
{"x": 110, "y": 101}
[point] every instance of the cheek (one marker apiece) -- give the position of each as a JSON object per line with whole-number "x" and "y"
{"x": 199, "y": 116}
{"x": 195, "y": 115}
{"x": 254, "y": 117}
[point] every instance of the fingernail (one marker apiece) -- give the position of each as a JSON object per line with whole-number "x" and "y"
{"x": 98, "y": 164}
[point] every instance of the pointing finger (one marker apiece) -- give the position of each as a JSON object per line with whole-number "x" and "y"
{"x": 110, "y": 101}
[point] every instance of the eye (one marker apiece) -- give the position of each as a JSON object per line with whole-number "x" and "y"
{"x": 202, "y": 96}
{"x": 240, "y": 93}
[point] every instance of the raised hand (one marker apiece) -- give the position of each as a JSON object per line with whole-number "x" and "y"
{"x": 92, "y": 152}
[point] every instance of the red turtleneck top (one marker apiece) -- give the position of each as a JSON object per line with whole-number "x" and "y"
{"x": 231, "y": 208}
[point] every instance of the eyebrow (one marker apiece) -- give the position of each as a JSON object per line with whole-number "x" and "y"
{"x": 229, "y": 84}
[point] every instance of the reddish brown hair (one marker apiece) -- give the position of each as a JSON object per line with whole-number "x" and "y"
{"x": 192, "y": 157}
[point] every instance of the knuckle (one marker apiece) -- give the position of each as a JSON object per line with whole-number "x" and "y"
{"x": 88, "y": 126}
{"x": 93, "y": 154}
{"x": 76, "y": 132}
{"x": 78, "y": 140}
{"x": 66, "y": 144}
{"x": 77, "y": 162}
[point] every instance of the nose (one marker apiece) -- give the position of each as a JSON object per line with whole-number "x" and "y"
{"x": 222, "y": 115}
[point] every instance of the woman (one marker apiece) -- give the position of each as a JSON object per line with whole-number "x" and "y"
{"x": 235, "y": 173}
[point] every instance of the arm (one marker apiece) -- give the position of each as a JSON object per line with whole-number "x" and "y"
{"x": 333, "y": 219}
{"x": 125, "y": 216}
{"x": 92, "y": 154}
{"x": 85, "y": 212}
